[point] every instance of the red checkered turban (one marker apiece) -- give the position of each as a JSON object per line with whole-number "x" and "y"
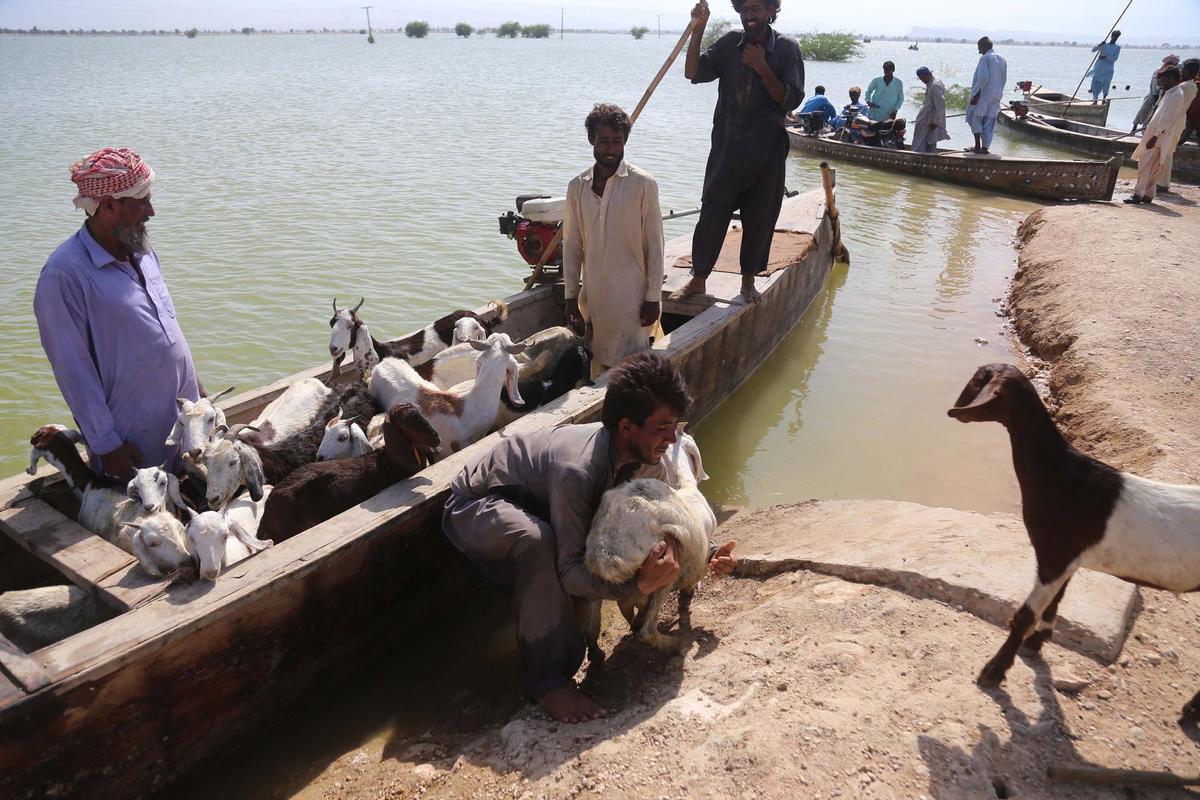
{"x": 110, "y": 172}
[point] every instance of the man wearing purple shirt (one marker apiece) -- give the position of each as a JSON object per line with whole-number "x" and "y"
{"x": 107, "y": 322}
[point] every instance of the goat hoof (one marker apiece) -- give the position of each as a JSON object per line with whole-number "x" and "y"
{"x": 989, "y": 678}
{"x": 1191, "y": 711}
{"x": 664, "y": 643}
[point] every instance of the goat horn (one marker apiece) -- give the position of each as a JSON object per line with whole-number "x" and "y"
{"x": 222, "y": 393}
{"x": 335, "y": 308}
{"x": 220, "y": 430}
{"x": 361, "y": 300}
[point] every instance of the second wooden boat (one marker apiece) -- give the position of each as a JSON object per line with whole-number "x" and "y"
{"x": 1096, "y": 140}
{"x": 1043, "y": 178}
{"x": 181, "y": 672}
{"x": 1064, "y": 105}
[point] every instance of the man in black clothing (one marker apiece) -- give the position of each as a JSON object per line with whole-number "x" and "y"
{"x": 761, "y": 79}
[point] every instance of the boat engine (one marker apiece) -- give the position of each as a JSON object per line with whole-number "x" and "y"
{"x": 534, "y": 224}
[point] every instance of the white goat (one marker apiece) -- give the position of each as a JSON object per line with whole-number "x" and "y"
{"x": 220, "y": 539}
{"x": 34, "y": 618}
{"x": 459, "y": 416}
{"x": 195, "y": 421}
{"x": 156, "y": 489}
{"x": 292, "y": 411}
{"x": 635, "y": 516}
{"x": 107, "y": 511}
{"x": 343, "y": 439}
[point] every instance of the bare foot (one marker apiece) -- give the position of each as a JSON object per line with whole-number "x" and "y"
{"x": 570, "y": 705}
{"x": 749, "y": 293}
{"x": 693, "y": 286}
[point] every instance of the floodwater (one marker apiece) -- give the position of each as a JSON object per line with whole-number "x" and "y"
{"x": 296, "y": 168}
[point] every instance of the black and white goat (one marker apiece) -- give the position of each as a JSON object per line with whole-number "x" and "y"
{"x": 417, "y": 348}
{"x": 155, "y": 538}
{"x": 574, "y": 367}
{"x": 317, "y": 492}
{"x": 230, "y": 462}
{"x": 1080, "y": 512}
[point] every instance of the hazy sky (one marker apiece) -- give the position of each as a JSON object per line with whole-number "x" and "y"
{"x": 1167, "y": 20}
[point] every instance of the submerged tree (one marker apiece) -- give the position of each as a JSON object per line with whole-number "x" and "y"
{"x": 417, "y": 29}
{"x": 509, "y": 30}
{"x": 463, "y": 29}
{"x": 540, "y": 31}
{"x": 638, "y": 31}
{"x": 191, "y": 33}
{"x": 833, "y": 46}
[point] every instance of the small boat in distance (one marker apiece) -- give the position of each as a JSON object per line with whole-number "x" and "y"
{"x": 1096, "y": 140}
{"x": 1042, "y": 178}
{"x": 914, "y": 46}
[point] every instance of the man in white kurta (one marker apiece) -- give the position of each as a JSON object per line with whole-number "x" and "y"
{"x": 930, "y": 125}
{"x": 987, "y": 92}
{"x": 612, "y": 246}
{"x": 1161, "y": 136}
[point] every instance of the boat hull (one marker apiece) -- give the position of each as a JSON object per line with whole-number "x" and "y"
{"x": 123, "y": 709}
{"x": 1045, "y": 179}
{"x": 1061, "y": 105}
{"x": 1098, "y": 141}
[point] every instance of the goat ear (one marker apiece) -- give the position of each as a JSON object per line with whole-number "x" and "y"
{"x": 478, "y": 345}
{"x": 980, "y": 396}
{"x": 514, "y": 349}
{"x": 252, "y": 472}
{"x": 679, "y": 426}
{"x": 182, "y": 403}
{"x": 74, "y": 436}
{"x": 35, "y": 455}
{"x": 131, "y": 490}
{"x": 173, "y": 490}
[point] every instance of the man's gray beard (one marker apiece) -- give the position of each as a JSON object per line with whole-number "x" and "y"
{"x": 134, "y": 237}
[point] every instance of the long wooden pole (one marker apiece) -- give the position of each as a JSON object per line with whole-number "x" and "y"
{"x": 1111, "y": 777}
{"x": 1071, "y": 99}
{"x": 550, "y": 248}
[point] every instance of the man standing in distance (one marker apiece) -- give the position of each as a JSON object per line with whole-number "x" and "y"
{"x": 1106, "y": 64}
{"x": 930, "y": 125}
{"x": 761, "y": 77}
{"x": 613, "y": 243}
{"x": 107, "y": 322}
{"x": 987, "y": 90}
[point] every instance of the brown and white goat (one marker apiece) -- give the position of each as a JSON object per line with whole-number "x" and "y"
{"x": 317, "y": 492}
{"x": 1080, "y": 512}
{"x": 417, "y": 348}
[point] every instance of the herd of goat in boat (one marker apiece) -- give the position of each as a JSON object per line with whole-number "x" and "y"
{"x": 309, "y": 456}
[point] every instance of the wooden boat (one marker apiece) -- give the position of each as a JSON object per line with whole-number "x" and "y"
{"x": 1064, "y": 105}
{"x": 182, "y": 672}
{"x": 1043, "y": 178}
{"x": 1093, "y": 139}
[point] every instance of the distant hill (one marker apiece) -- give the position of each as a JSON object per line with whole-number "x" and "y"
{"x": 1039, "y": 36}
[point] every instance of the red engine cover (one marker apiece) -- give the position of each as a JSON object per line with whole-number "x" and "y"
{"x": 532, "y": 240}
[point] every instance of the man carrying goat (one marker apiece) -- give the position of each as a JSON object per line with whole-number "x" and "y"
{"x": 107, "y": 322}
{"x": 522, "y": 514}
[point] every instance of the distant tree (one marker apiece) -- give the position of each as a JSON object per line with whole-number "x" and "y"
{"x": 509, "y": 30}
{"x": 540, "y": 31}
{"x": 463, "y": 29}
{"x": 834, "y": 46}
{"x": 418, "y": 29}
{"x": 191, "y": 33}
{"x": 638, "y": 31}
{"x": 247, "y": 31}
{"x": 716, "y": 29}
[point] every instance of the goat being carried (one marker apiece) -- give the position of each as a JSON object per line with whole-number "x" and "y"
{"x": 1080, "y": 512}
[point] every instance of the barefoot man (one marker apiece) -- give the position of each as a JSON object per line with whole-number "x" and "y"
{"x": 761, "y": 77}
{"x": 522, "y": 514}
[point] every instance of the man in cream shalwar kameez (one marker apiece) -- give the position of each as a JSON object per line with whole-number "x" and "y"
{"x": 613, "y": 246}
{"x": 987, "y": 92}
{"x": 1161, "y": 136}
{"x": 930, "y": 125}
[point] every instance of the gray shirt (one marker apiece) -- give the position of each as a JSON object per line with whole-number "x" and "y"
{"x": 558, "y": 474}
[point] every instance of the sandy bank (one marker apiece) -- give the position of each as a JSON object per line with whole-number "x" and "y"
{"x": 1109, "y": 296}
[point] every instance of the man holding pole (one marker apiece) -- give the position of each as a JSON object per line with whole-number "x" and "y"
{"x": 1106, "y": 60}
{"x": 761, "y": 76}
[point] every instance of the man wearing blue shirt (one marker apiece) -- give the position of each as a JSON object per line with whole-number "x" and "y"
{"x": 1106, "y": 64}
{"x": 107, "y": 322}
{"x": 820, "y": 102}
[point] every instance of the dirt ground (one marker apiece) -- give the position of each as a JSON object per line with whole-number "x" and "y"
{"x": 802, "y": 685}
